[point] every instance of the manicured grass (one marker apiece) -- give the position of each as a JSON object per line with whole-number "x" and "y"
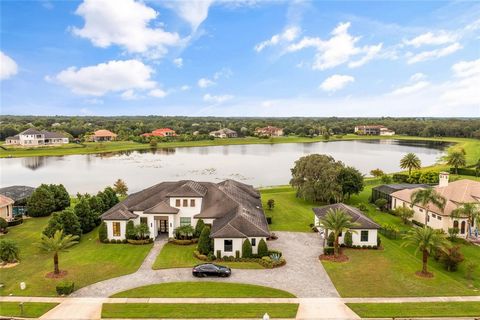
{"x": 416, "y": 309}
{"x": 203, "y": 290}
{"x": 30, "y": 309}
{"x": 87, "y": 262}
{"x": 177, "y": 256}
{"x": 199, "y": 310}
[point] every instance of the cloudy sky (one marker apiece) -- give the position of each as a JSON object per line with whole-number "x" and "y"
{"x": 240, "y": 58}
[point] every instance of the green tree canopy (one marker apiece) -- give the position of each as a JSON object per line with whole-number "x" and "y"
{"x": 86, "y": 216}
{"x": 42, "y": 202}
{"x": 351, "y": 181}
{"x": 66, "y": 220}
{"x": 204, "y": 242}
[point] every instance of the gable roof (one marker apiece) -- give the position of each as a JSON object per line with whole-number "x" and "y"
{"x": 189, "y": 189}
{"x": 53, "y": 135}
{"x": 357, "y": 216}
{"x": 456, "y": 193}
{"x": 5, "y": 201}
{"x": 104, "y": 133}
{"x": 31, "y": 131}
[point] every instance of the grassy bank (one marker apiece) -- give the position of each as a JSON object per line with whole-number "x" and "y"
{"x": 92, "y": 147}
{"x": 416, "y": 309}
{"x": 203, "y": 290}
{"x": 199, "y": 310}
{"x": 30, "y": 309}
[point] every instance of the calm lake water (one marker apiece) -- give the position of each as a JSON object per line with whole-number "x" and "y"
{"x": 259, "y": 165}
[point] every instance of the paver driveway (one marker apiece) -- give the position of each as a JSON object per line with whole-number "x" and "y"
{"x": 304, "y": 275}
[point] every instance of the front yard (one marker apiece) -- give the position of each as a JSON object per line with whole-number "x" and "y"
{"x": 87, "y": 262}
{"x": 178, "y": 256}
{"x": 30, "y": 309}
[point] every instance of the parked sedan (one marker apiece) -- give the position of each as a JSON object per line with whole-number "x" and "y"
{"x": 211, "y": 270}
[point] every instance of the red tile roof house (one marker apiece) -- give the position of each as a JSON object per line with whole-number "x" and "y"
{"x": 269, "y": 131}
{"x": 103, "y": 135}
{"x": 163, "y": 132}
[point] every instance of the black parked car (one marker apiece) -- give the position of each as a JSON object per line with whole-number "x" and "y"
{"x": 211, "y": 270}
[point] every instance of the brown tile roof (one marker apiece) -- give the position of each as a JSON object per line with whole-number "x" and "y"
{"x": 104, "y": 133}
{"x": 162, "y": 207}
{"x": 5, "y": 201}
{"x": 357, "y": 216}
{"x": 456, "y": 193}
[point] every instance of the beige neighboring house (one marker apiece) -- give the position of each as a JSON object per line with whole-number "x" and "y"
{"x": 374, "y": 130}
{"x": 6, "y": 208}
{"x": 269, "y": 131}
{"x": 455, "y": 193}
{"x": 103, "y": 135}
{"x": 33, "y": 138}
{"x": 224, "y": 133}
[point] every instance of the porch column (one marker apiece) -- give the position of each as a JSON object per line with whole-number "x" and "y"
{"x": 171, "y": 225}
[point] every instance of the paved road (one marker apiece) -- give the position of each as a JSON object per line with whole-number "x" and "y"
{"x": 304, "y": 275}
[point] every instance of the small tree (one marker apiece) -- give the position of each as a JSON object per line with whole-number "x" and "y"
{"x": 347, "y": 239}
{"x": 130, "y": 232}
{"x": 469, "y": 269}
{"x": 42, "y": 202}
{"x": 184, "y": 232}
{"x": 199, "y": 227}
{"x": 66, "y": 221}
{"x": 142, "y": 231}
{"x": 403, "y": 213}
{"x": 61, "y": 196}
{"x": 262, "y": 248}
{"x": 386, "y": 179}
{"x": 377, "y": 173}
{"x": 451, "y": 258}
{"x": 246, "y": 249}
{"x": 153, "y": 143}
{"x": 330, "y": 239}
{"x": 453, "y": 234}
{"x": 410, "y": 161}
{"x": 3, "y": 225}
{"x": 271, "y": 204}
{"x": 457, "y": 159}
{"x": 86, "y": 216}
{"x": 204, "y": 243}
{"x": 120, "y": 187}
{"x": 351, "y": 181}
{"x": 381, "y": 203}
{"x": 102, "y": 232}
{"x": 9, "y": 251}
{"x": 56, "y": 244}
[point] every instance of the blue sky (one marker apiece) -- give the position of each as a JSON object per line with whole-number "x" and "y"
{"x": 240, "y": 58}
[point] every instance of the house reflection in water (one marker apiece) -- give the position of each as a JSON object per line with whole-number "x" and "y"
{"x": 33, "y": 163}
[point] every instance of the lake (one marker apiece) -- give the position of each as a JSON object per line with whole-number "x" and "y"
{"x": 256, "y": 164}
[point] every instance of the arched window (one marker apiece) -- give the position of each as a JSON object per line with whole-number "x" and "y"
{"x": 455, "y": 224}
{"x": 462, "y": 229}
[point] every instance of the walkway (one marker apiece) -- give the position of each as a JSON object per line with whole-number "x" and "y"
{"x": 304, "y": 275}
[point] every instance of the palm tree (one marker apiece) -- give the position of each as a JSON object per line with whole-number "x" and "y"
{"x": 469, "y": 210}
{"x": 337, "y": 221}
{"x": 426, "y": 240}
{"x": 457, "y": 159}
{"x": 425, "y": 197}
{"x": 410, "y": 161}
{"x": 57, "y": 243}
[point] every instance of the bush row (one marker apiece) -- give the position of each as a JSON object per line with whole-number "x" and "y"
{"x": 266, "y": 262}
{"x": 65, "y": 287}
{"x": 182, "y": 242}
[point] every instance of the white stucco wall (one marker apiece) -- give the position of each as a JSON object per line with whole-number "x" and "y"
{"x": 123, "y": 226}
{"x": 237, "y": 245}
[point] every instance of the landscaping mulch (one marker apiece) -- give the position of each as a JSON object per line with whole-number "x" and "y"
{"x": 52, "y": 275}
{"x": 332, "y": 258}
{"x": 424, "y": 275}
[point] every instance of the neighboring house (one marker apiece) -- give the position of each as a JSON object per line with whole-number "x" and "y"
{"x": 33, "y": 138}
{"x": 163, "y": 132}
{"x": 20, "y": 195}
{"x": 103, "y": 135}
{"x": 224, "y": 133}
{"x": 374, "y": 130}
{"x": 232, "y": 209}
{"x": 6, "y": 208}
{"x": 363, "y": 234}
{"x": 455, "y": 193}
{"x": 385, "y": 190}
{"x": 269, "y": 131}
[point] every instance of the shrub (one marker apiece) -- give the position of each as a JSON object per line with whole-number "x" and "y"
{"x": 275, "y": 256}
{"x": 379, "y": 241}
{"x": 451, "y": 258}
{"x": 271, "y": 204}
{"x": 15, "y": 222}
{"x": 330, "y": 239}
{"x": 348, "y": 239}
{"x": 61, "y": 196}
{"x": 364, "y": 246}
{"x": 246, "y": 249}
{"x": 184, "y": 232}
{"x": 271, "y": 251}
{"x": 86, "y": 216}
{"x": 65, "y": 287}
{"x": 9, "y": 251}
{"x": 452, "y": 234}
{"x": 42, "y": 202}
{"x": 381, "y": 203}
{"x": 269, "y": 220}
{"x": 262, "y": 248}
{"x": 386, "y": 179}
{"x": 469, "y": 269}
{"x": 211, "y": 256}
{"x": 417, "y": 223}
{"x": 328, "y": 251}
{"x": 200, "y": 256}
{"x": 362, "y": 207}
{"x": 130, "y": 230}
{"x": 237, "y": 254}
{"x": 3, "y": 225}
{"x": 400, "y": 177}
{"x": 66, "y": 220}
{"x": 204, "y": 243}
{"x": 199, "y": 228}
{"x": 403, "y": 213}
{"x": 102, "y": 232}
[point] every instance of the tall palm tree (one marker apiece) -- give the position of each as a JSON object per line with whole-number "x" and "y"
{"x": 337, "y": 221}
{"x": 410, "y": 161}
{"x": 426, "y": 197}
{"x": 457, "y": 159}
{"x": 471, "y": 211}
{"x": 57, "y": 243}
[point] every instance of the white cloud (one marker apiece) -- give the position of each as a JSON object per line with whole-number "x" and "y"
{"x": 433, "y": 54}
{"x": 288, "y": 35}
{"x": 158, "y": 93}
{"x": 464, "y": 69}
{"x": 417, "y": 77}
{"x": 112, "y": 76}
{"x": 193, "y": 12}
{"x": 8, "y": 67}
{"x": 464, "y": 89}
{"x": 430, "y": 38}
{"x": 217, "y": 99}
{"x": 408, "y": 89}
{"x": 185, "y": 88}
{"x": 178, "y": 62}
{"x": 337, "y": 50}
{"x": 129, "y": 95}
{"x": 124, "y": 23}
{"x": 336, "y": 82}
{"x": 205, "y": 83}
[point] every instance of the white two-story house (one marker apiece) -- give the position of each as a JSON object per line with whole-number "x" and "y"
{"x": 34, "y": 138}
{"x": 232, "y": 209}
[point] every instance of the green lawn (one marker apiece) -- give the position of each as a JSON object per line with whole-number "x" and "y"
{"x": 416, "y": 309}
{"x": 177, "y": 256}
{"x": 203, "y": 290}
{"x": 87, "y": 262}
{"x": 199, "y": 310}
{"x": 30, "y": 309}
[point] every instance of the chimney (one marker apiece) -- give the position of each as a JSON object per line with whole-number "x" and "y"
{"x": 443, "y": 179}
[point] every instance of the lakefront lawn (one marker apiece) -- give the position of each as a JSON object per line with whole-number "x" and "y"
{"x": 87, "y": 262}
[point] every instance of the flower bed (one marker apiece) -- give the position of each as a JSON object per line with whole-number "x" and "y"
{"x": 140, "y": 242}
{"x": 266, "y": 262}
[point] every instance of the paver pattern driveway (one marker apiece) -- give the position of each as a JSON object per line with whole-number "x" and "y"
{"x": 303, "y": 275}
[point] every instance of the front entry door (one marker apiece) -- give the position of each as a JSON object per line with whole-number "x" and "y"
{"x": 163, "y": 226}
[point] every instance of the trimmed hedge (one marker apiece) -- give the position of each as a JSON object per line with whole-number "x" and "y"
{"x": 15, "y": 222}
{"x": 181, "y": 242}
{"x": 65, "y": 287}
{"x": 328, "y": 251}
{"x": 465, "y": 172}
{"x": 136, "y": 242}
